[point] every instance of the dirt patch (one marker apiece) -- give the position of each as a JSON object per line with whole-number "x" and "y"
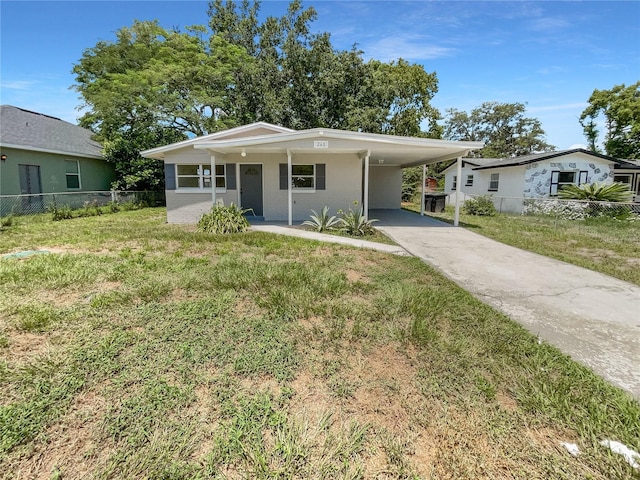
{"x": 25, "y": 346}
{"x": 70, "y": 445}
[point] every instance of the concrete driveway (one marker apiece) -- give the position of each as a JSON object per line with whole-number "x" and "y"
{"x": 592, "y": 317}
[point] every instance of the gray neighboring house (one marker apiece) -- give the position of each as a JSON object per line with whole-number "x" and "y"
{"x": 44, "y": 154}
{"x": 539, "y": 175}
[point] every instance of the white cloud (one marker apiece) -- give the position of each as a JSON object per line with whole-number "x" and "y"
{"x": 563, "y": 106}
{"x": 18, "y": 84}
{"x": 407, "y": 46}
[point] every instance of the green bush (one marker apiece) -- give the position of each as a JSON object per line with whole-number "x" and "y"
{"x": 353, "y": 222}
{"x": 223, "y": 219}
{"x": 600, "y": 192}
{"x": 481, "y": 206}
{"x": 7, "y": 221}
{"x": 62, "y": 212}
{"x": 322, "y": 221}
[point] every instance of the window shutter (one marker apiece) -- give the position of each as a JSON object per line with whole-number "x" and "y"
{"x": 169, "y": 176}
{"x": 554, "y": 183}
{"x": 321, "y": 176}
{"x": 583, "y": 177}
{"x": 230, "y": 169}
{"x": 283, "y": 176}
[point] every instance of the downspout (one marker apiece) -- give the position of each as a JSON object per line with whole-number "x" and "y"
{"x": 365, "y": 200}
{"x": 213, "y": 180}
{"x": 289, "y": 190}
{"x": 422, "y": 190}
{"x": 456, "y": 219}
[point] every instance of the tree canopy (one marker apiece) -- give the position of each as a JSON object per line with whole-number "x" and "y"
{"x": 154, "y": 85}
{"x": 504, "y": 128}
{"x": 620, "y": 107}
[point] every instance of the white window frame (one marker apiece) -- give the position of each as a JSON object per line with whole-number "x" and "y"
{"x": 469, "y": 181}
{"x": 494, "y": 182}
{"x": 454, "y": 183}
{"x": 202, "y": 176}
{"x": 67, "y": 175}
{"x": 310, "y": 189}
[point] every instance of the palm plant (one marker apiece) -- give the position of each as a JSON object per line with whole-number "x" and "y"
{"x": 323, "y": 221}
{"x": 597, "y": 192}
{"x": 221, "y": 219}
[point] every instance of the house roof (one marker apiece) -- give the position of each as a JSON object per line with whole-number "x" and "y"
{"x": 382, "y": 149}
{"x": 537, "y": 157}
{"x": 28, "y": 130}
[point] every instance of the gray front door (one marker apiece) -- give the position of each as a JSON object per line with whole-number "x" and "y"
{"x": 251, "y": 188}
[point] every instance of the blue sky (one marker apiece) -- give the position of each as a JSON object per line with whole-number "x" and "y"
{"x": 550, "y": 55}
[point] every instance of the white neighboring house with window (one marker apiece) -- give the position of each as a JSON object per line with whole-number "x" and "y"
{"x": 531, "y": 176}
{"x": 281, "y": 174}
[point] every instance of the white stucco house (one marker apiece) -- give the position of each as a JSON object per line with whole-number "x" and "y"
{"x": 539, "y": 175}
{"x": 281, "y": 174}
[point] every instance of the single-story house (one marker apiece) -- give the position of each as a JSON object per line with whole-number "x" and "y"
{"x": 281, "y": 174}
{"x": 629, "y": 172}
{"x": 539, "y": 175}
{"x": 44, "y": 154}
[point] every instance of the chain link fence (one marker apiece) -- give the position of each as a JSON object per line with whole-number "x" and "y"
{"x": 558, "y": 208}
{"x": 22, "y": 205}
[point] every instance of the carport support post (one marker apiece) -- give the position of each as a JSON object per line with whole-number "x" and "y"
{"x": 213, "y": 180}
{"x": 365, "y": 200}
{"x": 456, "y": 219}
{"x": 424, "y": 179}
{"x": 289, "y": 191}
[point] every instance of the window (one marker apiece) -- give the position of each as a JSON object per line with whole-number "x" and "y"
{"x": 560, "y": 179}
{"x": 454, "y": 185}
{"x": 303, "y": 176}
{"x": 494, "y": 182}
{"x": 469, "y": 181}
{"x": 199, "y": 176}
{"x": 72, "y": 171}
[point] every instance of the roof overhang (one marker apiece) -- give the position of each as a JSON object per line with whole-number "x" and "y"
{"x": 382, "y": 149}
{"x": 48, "y": 150}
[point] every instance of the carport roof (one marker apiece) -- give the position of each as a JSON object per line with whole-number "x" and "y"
{"x": 385, "y": 149}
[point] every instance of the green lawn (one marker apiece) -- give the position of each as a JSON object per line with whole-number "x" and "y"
{"x": 137, "y": 349}
{"x": 605, "y": 245}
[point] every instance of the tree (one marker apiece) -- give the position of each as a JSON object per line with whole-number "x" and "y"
{"x": 299, "y": 80}
{"x": 620, "y": 108}
{"x": 152, "y": 86}
{"x": 502, "y": 126}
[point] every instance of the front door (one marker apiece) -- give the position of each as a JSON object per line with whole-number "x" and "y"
{"x": 251, "y": 188}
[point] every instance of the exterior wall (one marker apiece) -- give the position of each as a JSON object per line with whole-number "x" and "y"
{"x": 95, "y": 174}
{"x": 385, "y": 187}
{"x": 537, "y": 178}
{"x": 343, "y": 185}
{"x": 509, "y": 184}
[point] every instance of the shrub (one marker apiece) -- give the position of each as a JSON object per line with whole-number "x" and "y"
{"x": 480, "y": 206}
{"x": 353, "y": 222}
{"x": 7, "y": 221}
{"x": 62, "y": 212}
{"x": 322, "y": 222}
{"x": 598, "y": 192}
{"x": 223, "y": 219}
{"x": 114, "y": 207}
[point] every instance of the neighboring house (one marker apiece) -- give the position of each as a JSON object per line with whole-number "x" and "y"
{"x": 629, "y": 172}
{"x": 281, "y": 174}
{"x": 531, "y": 176}
{"x": 43, "y": 154}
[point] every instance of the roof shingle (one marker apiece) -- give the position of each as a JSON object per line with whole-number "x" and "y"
{"x": 30, "y": 130}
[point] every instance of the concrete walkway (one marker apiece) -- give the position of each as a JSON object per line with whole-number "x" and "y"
{"x": 592, "y": 317}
